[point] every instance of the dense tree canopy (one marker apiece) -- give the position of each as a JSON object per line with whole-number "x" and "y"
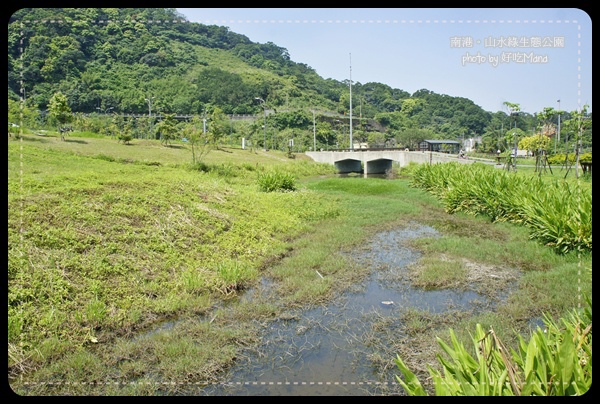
{"x": 119, "y": 58}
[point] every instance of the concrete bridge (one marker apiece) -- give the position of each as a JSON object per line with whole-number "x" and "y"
{"x": 379, "y": 161}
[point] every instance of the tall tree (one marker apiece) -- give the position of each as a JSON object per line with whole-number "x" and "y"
{"x": 546, "y": 126}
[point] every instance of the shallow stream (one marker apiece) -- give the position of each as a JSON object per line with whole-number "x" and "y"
{"x": 326, "y": 350}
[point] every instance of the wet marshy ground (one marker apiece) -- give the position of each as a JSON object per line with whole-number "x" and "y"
{"x": 346, "y": 348}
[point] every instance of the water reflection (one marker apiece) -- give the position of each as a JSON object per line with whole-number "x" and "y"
{"x": 362, "y": 175}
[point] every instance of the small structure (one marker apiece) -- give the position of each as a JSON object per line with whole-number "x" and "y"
{"x": 361, "y": 145}
{"x": 442, "y": 146}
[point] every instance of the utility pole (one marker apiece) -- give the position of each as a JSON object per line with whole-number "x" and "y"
{"x": 149, "y": 101}
{"x": 351, "y": 143}
{"x": 314, "y": 132}
{"x": 263, "y": 103}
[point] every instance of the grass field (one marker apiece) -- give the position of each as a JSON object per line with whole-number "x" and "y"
{"x": 107, "y": 241}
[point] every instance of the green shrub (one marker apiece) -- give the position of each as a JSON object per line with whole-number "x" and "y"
{"x": 249, "y": 166}
{"x": 200, "y": 166}
{"x": 225, "y": 170}
{"x": 558, "y": 159}
{"x": 271, "y": 181}
{"x": 585, "y": 158}
{"x": 125, "y": 138}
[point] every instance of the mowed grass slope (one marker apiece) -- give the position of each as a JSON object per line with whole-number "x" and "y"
{"x": 105, "y": 239}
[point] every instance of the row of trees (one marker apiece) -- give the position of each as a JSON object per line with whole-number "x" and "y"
{"x": 308, "y": 128}
{"x": 549, "y": 131}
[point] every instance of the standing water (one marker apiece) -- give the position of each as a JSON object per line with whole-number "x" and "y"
{"x": 325, "y": 350}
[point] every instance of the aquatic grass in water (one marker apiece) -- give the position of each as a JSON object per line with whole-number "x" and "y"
{"x": 233, "y": 275}
{"x": 440, "y": 272}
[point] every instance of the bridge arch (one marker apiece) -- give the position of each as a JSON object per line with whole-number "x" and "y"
{"x": 349, "y": 166}
{"x": 378, "y": 166}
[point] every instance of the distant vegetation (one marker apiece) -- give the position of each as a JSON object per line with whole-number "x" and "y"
{"x": 153, "y": 62}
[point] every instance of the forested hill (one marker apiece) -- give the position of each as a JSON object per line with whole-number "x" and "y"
{"x": 123, "y": 58}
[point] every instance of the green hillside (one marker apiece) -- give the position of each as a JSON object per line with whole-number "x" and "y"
{"x": 147, "y": 61}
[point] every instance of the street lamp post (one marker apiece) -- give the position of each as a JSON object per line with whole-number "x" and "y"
{"x": 558, "y": 138}
{"x": 515, "y": 114}
{"x": 265, "y": 119}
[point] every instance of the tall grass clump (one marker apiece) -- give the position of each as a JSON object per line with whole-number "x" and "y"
{"x": 270, "y": 181}
{"x": 558, "y": 212}
{"x": 233, "y": 275}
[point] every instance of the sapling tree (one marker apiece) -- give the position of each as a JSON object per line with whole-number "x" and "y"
{"x": 539, "y": 143}
{"x": 546, "y": 125}
{"x": 167, "y": 129}
{"x": 577, "y": 125}
{"x": 60, "y": 112}
{"x": 513, "y": 111}
{"x": 219, "y": 127}
{"x": 126, "y": 132}
{"x": 197, "y": 139}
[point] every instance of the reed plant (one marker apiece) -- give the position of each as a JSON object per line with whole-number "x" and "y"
{"x": 556, "y": 361}
{"x": 557, "y": 212}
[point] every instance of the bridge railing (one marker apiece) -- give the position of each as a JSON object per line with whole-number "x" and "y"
{"x": 367, "y": 149}
{"x": 234, "y": 117}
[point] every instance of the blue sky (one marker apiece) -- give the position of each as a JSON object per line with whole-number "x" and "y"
{"x": 533, "y": 57}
